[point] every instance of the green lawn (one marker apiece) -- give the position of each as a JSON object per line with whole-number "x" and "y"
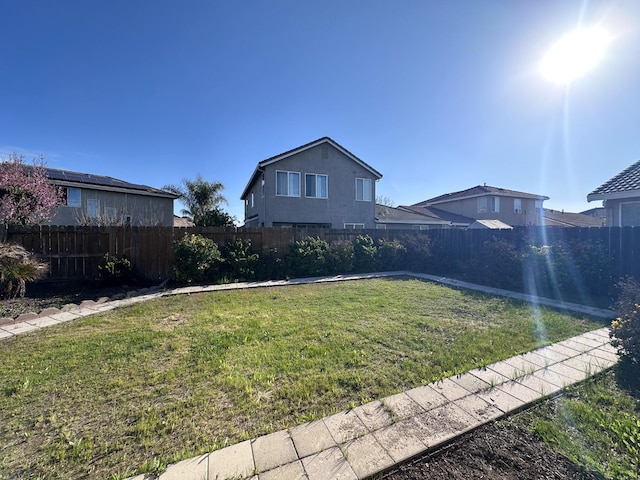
{"x": 136, "y": 388}
{"x": 596, "y": 424}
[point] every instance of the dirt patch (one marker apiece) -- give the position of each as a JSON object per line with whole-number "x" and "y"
{"x": 497, "y": 451}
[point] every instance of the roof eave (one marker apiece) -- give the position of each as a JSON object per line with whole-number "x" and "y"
{"x": 613, "y": 195}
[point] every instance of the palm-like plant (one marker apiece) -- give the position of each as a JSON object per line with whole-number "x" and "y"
{"x": 203, "y": 200}
{"x": 17, "y": 266}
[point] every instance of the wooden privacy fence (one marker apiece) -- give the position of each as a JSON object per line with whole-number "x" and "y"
{"x": 76, "y": 252}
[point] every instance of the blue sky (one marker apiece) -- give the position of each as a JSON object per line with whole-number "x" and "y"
{"x": 438, "y": 96}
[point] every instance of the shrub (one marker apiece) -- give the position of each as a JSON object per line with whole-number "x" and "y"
{"x": 341, "y": 257}
{"x": 417, "y": 256}
{"x": 197, "y": 259}
{"x": 310, "y": 256}
{"x": 390, "y": 255}
{"x": 364, "y": 254}
{"x": 625, "y": 330}
{"x": 239, "y": 261}
{"x": 115, "y": 270}
{"x": 270, "y": 266}
{"x": 497, "y": 264}
{"x": 17, "y": 266}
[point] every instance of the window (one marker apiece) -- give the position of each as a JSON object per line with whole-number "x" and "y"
{"x": 354, "y": 226}
{"x": 315, "y": 185}
{"x": 288, "y": 184}
{"x": 363, "y": 189}
{"x": 482, "y": 205}
{"x": 630, "y": 214}
{"x": 92, "y": 207}
{"x": 517, "y": 205}
{"x": 74, "y": 198}
{"x": 495, "y": 204}
{"x": 252, "y": 201}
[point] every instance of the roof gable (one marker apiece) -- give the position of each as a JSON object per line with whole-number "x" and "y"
{"x": 480, "y": 191}
{"x": 324, "y": 140}
{"x": 624, "y": 183}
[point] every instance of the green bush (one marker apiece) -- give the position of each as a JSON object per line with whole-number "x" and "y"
{"x": 115, "y": 270}
{"x": 270, "y": 266}
{"x": 197, "y": 259}
{"x": 309, "y": 257}
{"x": 497, "y": 264}
{"x": 365, "y": 254}
{"x": 391, "y": 255}
{"x": 341, "y": 255}
{"x": 418, "y": 254}
{"x": 17, "y": 266}
{"x": 239, "y": 260}
{"x": 625, "y": 330}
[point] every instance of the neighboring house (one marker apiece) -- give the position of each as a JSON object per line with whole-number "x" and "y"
{"x": 96, "y": 200}
{"x": 553, "y": 218}
{"x": 620, "y": 197}
{"x": 439, "y": 215}
{"x": 491, "y": 203}
{"x": 320, "y": 184}
{"x": 393, "y": 218}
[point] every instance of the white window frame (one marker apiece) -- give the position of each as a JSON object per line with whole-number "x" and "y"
{"x": 93, "y": 207}
{"x": 354, "y": 226}
{"x": 482, "y": 204}
{"x": 288, "y": 184}
{"x": 517, "y": 205}
{"x": 72, "y": 201}
{"x": 252, "y": 201}
{"x": 495, "y": 204}
{"x": 317, "y": 176}
{"x": 363, "y": 182}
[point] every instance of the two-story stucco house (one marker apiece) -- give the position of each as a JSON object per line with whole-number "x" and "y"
{"x": 620, "y": 197}
{"x": 483, "y": 202}
{"x": 320, "y": 184}
{"x": 96, "y": 200}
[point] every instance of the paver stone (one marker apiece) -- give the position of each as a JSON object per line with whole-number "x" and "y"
{"x": 233, "y": 461}
{"x": 366, "y": 456}
{"x": 329, "y": 464}
{"x": 290, "y": 471}
{"x": 311, "y": 438}
{"x": 190, "y": 469}
{"x": 345, "y": 426}
{"x": 270, "y": 451}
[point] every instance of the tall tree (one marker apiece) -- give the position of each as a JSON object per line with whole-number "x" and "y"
{"x": 203, "y": 201}
{"x": 26, "y": 195}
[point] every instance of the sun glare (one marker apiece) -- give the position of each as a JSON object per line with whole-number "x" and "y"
{"x": 574, "y": 54}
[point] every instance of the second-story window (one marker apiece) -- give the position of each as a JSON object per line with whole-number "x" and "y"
{"x": 495, "y": 204}
{"x": 74, "y": 198}
{"x": 315, "y": 185}
{"x": 482, "y": 205}
{"x": 288, "y": 184}
{"x": 517, "y": 205}
{"x": 363, "y": 189}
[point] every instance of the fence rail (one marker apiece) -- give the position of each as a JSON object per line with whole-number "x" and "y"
{"x": 76, "y": 252}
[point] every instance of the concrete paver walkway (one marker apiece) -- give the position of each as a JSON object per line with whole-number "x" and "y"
{"x": 368, "y": 439}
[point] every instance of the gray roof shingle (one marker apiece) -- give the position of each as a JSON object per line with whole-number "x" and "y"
{"x": 626, "y": 181}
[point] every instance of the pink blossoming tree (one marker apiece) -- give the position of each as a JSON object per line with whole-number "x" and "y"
{"x": 26, "y": 196}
